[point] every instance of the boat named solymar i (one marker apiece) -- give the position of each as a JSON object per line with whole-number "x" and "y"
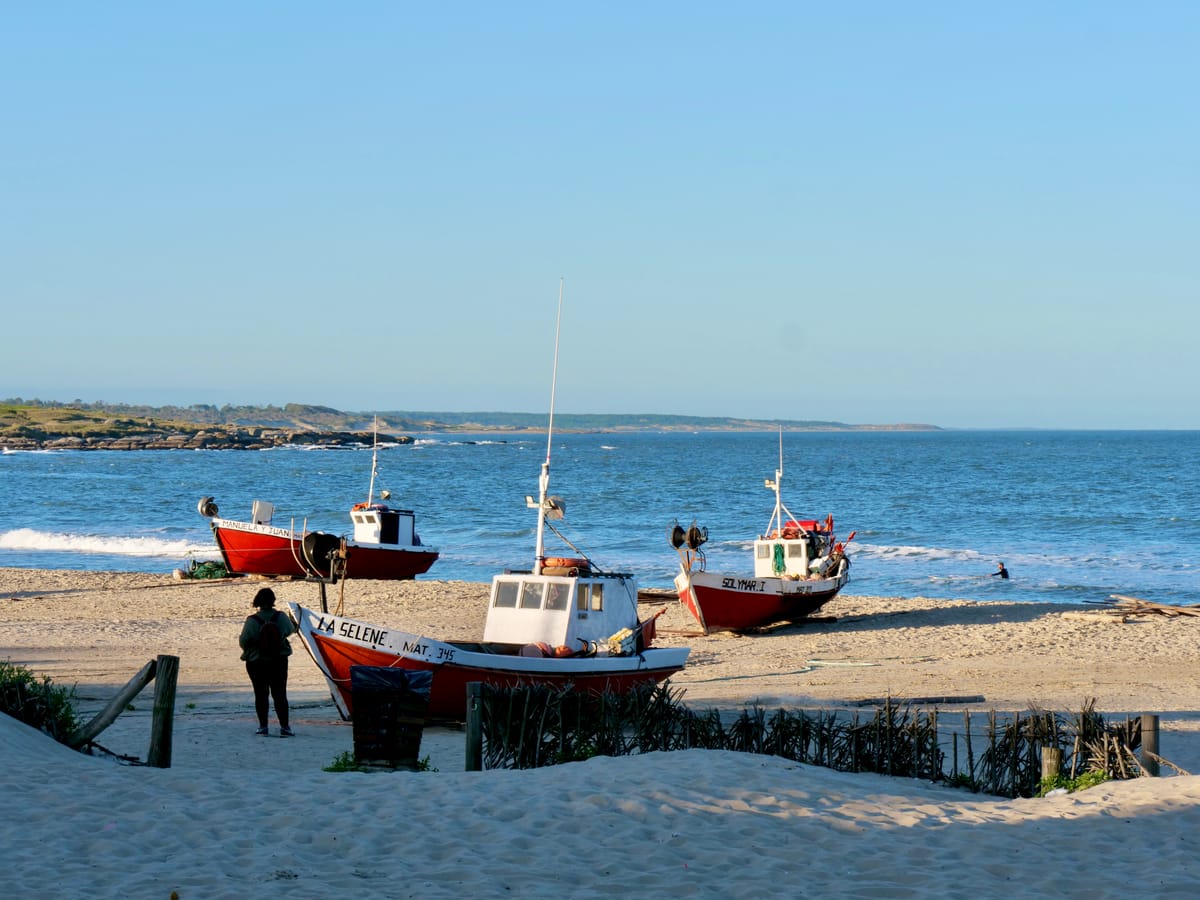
{"x": 799, "y": 566}
{"x": 565, "y": 621}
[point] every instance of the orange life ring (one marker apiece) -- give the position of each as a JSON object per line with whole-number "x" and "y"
{"x": 564, "y": 562}
{"x": 359, "y": 506}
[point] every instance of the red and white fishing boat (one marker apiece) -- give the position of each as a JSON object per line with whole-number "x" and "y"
{"x": 385, "y": 544}
{"x": 799, "y": 566}
{"x": 562, "y": 622}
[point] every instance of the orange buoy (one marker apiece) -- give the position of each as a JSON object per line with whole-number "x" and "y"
{"x": 564, "y": 562}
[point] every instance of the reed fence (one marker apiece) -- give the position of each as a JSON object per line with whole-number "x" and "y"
{"x": 530, "y": 727}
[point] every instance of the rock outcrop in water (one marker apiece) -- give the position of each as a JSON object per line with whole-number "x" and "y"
{"x": 201, "y": 439}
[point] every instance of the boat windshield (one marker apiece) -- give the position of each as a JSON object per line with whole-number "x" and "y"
{"x": 536, "y": 594}
{"x": 531, "y": 595}
{"x": 506, "y": 594}
{"x": 558, "y": 596}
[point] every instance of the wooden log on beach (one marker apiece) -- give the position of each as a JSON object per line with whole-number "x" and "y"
{"x": 115, "y": 707}
{"x": 657, "y": 595}
{"x": 920, "y": 701}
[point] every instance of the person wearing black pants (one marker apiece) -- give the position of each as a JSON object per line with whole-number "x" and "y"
{"x": 265, "y": 650}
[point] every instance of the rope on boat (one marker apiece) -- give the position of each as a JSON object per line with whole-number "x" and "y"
{"x": 579, "y": 552}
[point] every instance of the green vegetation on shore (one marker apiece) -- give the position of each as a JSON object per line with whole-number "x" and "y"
{"x": 37, "y": 702}
{"x": 30, "y": 424}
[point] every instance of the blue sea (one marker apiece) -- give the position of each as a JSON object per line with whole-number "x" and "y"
{"x": 1075, "y": 516}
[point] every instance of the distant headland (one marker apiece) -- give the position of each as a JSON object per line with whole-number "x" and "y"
{"x": 46, "y": 425}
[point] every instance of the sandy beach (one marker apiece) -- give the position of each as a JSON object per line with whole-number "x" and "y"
{"x": 239, "y": 815}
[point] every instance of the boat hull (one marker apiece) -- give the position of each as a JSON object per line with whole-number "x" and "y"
{"x": 336, "y": 643}
{"x": 735, "y": 603}
{"x": 249, "y": 549}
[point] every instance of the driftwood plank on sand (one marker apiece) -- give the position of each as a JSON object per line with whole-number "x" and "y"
{"x": 1132, "y": 606}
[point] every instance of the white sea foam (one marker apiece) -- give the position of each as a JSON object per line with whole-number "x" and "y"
{"x": 31, "y": 539}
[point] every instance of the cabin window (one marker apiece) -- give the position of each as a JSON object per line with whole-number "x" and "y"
{"x": 506, "y": 594}
{"x": 794, "y": 550}
{"x": 589, "y": 596}
{"x": 531, "y": 595}
{"x": 557, "y": 596}
{"x": 762, "y": 551}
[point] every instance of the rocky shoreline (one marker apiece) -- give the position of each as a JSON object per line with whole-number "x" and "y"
{"x": 201, "y": 439}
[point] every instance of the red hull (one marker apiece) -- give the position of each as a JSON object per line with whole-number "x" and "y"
{"x": 336, "y": 644}
{"x": 447, "y": 698}
{"x": 262, "y": 550}
{"x": 721, "y": 603}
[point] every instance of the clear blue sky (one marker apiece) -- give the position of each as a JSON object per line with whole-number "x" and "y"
{"x": 957, "y": 213}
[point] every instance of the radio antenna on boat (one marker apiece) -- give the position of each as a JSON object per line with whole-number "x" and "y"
{"x": 778, "y": 522}
{"x": 777, "y": 516}
{"x": 554, "y": 374}
{"x": 544, "y": 480}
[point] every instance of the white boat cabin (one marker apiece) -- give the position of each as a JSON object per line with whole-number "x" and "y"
{"x": 380, "y": 524}
{"x": 561, "y": 610}
{"x": 798, "y": 550}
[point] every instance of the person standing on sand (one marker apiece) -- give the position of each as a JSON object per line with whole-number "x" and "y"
{"x": 1000, "y": 570}
{"x": 266, "y": 651}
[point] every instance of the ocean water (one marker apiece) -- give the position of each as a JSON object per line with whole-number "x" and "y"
{"x": 1075, "y": 516}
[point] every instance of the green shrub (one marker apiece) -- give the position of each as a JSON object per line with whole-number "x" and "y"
{"x": 1079, "y": 783}
{"x": 345, "y": 762}
{"x": 37, "y": 702}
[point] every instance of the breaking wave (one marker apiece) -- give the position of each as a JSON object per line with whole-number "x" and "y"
{"x": 28, "y": 539}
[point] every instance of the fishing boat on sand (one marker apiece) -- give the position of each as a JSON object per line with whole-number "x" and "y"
{"x": 385, "y": 544}
{"x": 565, "y": 621}
{"x": 799, "y": 566}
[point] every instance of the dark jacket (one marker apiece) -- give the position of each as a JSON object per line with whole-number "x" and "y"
{"x": 249, "y": 637}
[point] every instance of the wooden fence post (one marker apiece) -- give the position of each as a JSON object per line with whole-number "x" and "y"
{"x": 163, "y": 721}
{"x": 1150, "y": 745}
{"x": 1051, "y": 762}
{"x": 474, "y": 760}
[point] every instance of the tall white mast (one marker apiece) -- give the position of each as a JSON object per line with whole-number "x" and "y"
{"x": 544, "y": 480}
{"x": 374, "y": 462}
